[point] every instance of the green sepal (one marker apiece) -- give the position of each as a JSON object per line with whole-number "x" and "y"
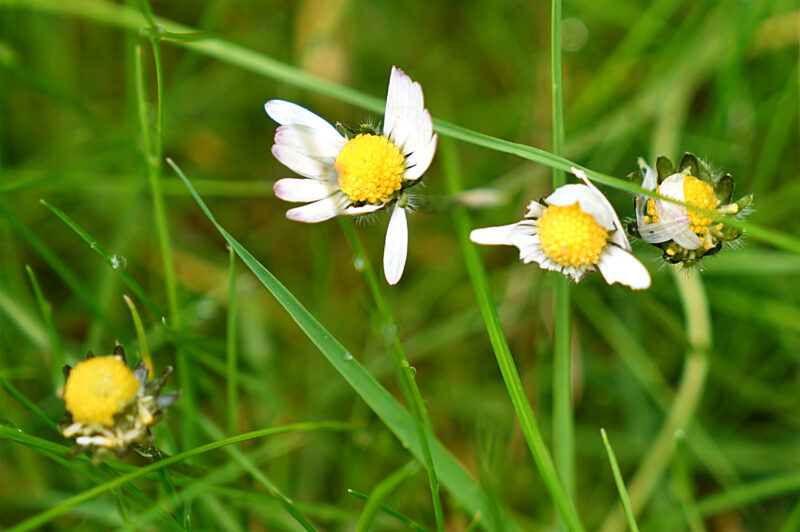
{"x": 729, "y": 233}
{"x": 690, "y": 161}
{"x": 632, "y": 229}
{"x": 724, "y": 189}
{"x": 664, "y": 168}
{"x": 744, "y": 202}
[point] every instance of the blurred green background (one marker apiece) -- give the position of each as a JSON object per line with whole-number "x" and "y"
{"x": 718, "y": 78}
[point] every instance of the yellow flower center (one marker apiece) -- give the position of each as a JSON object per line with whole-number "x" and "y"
{"x": 570, "y": 236}
{"x": 99, "y": 388}
{"x": 371, "y": 169}
{"x": 695, "y": 192}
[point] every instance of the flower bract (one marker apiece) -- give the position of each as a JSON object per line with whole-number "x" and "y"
{"x": 354, "y": 173}
{"x": 575, "y": 231}
{"x": 687, "y": 232}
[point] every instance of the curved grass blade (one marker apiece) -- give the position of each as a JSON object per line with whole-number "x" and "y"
{"x": 623, "y": 493}
{"x": 44, "y": 517}
{"x": 461, "y": 485}
{"x": 381, "y": 492}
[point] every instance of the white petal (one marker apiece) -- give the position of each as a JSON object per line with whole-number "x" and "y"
{"x": 519, "y": 234}
{"x": 418, "y": 134}
{"x": 288, "y": 113}
{"x": 319, "y": 211}
{"x": 364, "y": 209}
{"x": 619, "y": 266}
{"x": 591, "y": 202}
{"x": 305, "y": 190}
{"x": 535, "y": 210}
{"x": 658, "y": 232}
{"x": 650, "y": 181}
{"x": 306, "y": 140}
{"x": 303, "y": 164}
{"x": 418, "y": 162}
{"x": 618, "y": 237}
{"x": 396, "y": 247}
{"x": 687, "y": 239}
{"x": 403, "y": 103}
{"x": 672, "y": 187}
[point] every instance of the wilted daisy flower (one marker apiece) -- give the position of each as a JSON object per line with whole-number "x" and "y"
{"x": 111, "y": 407}
{"x": 574, "y": 231}
{"x": 685, "y": 234}
{"x": 354, "y": 173}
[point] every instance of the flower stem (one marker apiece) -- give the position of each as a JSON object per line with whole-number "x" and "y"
{"x": 403, "y": 369}
{"x": 563, "y": 415}
{"x": 513, "y": 383}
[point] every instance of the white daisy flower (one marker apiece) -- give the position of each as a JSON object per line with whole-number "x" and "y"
{"x": 359, "y": 174}
{"x": 575, "y": 232}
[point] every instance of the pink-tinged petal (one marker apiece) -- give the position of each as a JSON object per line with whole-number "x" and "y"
{"x": 288, "y": 113}
{"x": 404, "y": 108}
{"x": 418, "y": 162}
{"x": 319, "y": 211}
{"x": 619, "y": 266}
{"x": 395, "y": 249}
{"x": 304, "y": 190}
{"x": 306, "y": 140}
{"x": 655, "y": 233}
{"x": 303, "y": 164}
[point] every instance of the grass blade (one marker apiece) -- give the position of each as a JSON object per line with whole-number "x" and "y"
{"x": 461, "y": 485}
{"x": 623, "y": 493}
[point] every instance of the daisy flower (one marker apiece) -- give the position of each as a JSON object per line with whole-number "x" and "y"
{"x": 685, "y": 234}
{"x": 111, "y": 407}
{"x": 357, "y": 172}
{"x": 574, "y": 231}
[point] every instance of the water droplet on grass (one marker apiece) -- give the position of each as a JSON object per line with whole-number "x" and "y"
{"x": 118, "y": 262}
{"x": 348, "y": 356}
{"x": 358, "y": 264}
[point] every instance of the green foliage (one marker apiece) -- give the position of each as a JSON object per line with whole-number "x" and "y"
{"x": 89, "y": 113}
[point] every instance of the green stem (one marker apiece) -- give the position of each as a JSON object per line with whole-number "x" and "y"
{"x": 231, "y": 377}
{"x": 563, "y": 415}
{"x": 403, "y": 369}
{"x": 154, "y": 149}
{"x": 502, "y": 352}
{"x": 687, "y": 397}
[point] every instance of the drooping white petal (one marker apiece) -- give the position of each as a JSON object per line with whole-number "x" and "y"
{"x": 418, "y": 162}
{"x": 291, "y": 189}
{"x": 589, "y": 202}
{"x": 303, "y": 164}
{"x": 396, "y": 247}
{"x": 319, "y": 211}
{"x": 655, "y": 233}
{"x": 618, "y": 237}
{"x": 650, "y": 181}
{"x": 619, "y": 266}
{"x": 306, "y": 140}
{"x": 404, "y": 105}
{"x": 672, "y": 187}
{"x": 288, "y": 113}
{"x": 364, "y": 209}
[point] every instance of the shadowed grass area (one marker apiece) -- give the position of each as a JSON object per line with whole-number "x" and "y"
{"x": 90, "y": 212}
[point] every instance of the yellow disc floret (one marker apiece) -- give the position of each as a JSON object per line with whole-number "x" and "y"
{"x": 570, "y": 236}
{"x": 700, "y": 194}
{"x": 371, "y": 169}
{"x": 697, "y": 193}
{"x": 99, "y": 388}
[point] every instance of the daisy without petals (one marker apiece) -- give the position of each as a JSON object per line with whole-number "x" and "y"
{"x": 111, "y": 407}
{"x": 574, "y": 231}
{"x": 357, "y": 172}
{"x": 685, "y": 234}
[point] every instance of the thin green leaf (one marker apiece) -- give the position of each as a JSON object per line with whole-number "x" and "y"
{"x": 623, "y": 493}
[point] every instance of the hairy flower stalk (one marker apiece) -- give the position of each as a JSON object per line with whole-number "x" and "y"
{"x": 686, "y": 234}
